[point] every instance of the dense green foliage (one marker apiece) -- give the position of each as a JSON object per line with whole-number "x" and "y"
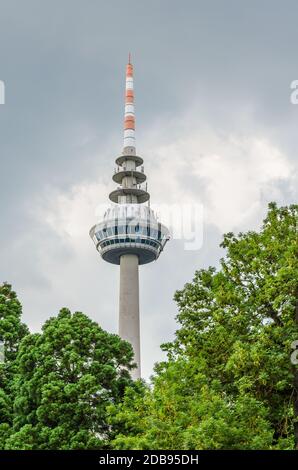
{"x": 228, "y": 382}
{"x": 11, "y": 333}
{"x": 65, "y": 378}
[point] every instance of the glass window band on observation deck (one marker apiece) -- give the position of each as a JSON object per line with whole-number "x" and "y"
{"x": 153, "y": 232}
{"x": 115, "y": 241}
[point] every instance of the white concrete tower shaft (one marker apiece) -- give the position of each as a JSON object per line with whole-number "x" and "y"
{"x": 129, "y": 314}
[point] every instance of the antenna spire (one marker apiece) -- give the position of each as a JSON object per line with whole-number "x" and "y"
{"x": 129, "y": 145}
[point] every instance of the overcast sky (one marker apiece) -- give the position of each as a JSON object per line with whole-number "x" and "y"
{"x": 215, "y": 126}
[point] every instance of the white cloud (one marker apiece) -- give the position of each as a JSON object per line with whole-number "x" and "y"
{"x": 233, "y": 176}
{"x": 71, "y": 214}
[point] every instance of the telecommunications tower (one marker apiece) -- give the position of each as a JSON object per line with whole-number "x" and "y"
{"x": 129, "y": 234}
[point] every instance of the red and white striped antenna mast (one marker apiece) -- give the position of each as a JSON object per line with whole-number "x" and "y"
{"x": 129, "y": 145}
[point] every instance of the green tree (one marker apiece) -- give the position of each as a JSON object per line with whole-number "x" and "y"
{"x": 67, "y": 375}
{"x": 12, "y": 330}
{"x": 228, "y": 382}
{"x": 184, "y": 410}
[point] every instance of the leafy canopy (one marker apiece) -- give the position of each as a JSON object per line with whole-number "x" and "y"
{"x": 12, "y": 330}
{"x": 66, "y": 377}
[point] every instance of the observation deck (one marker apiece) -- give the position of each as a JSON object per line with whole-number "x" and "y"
{"x": 129, "y": 229}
